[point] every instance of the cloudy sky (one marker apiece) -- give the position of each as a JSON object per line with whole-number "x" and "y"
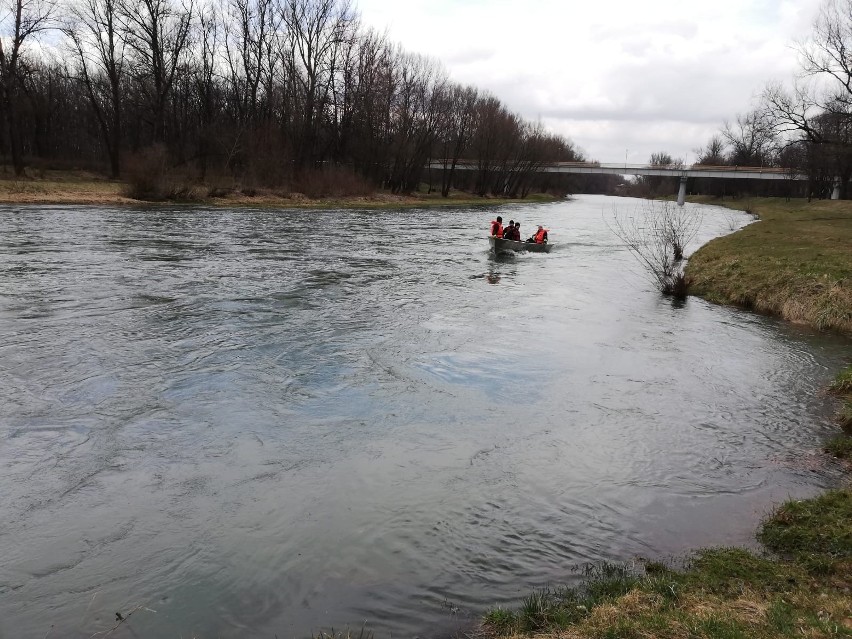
{"x": 619, "y": 77}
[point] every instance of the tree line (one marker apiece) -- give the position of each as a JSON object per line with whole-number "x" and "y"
{"x": 269, "y": 92}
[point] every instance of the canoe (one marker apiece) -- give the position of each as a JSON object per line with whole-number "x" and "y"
{"x": 499, "y": 245}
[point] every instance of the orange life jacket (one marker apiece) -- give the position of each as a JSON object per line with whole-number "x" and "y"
{"x": 540, "y": 235}
{"x": 496, "y": 228}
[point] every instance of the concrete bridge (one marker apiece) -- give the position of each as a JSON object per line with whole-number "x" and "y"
{"x": 678, "y": 171}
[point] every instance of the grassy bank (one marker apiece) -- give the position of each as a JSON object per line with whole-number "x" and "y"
{"x": 80, "y": 187}
{"x": 840, "y": 446}
{"x": 794, "y": 263}
{"x": 803, "y": 590}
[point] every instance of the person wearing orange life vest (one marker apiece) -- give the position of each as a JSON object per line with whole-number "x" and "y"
{"x": 497, "y": 227}
{"x": 540, "y": 235}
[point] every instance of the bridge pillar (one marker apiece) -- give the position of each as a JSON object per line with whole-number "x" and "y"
{"x": 835, "y": 193}
{"x": 681, "y": 192}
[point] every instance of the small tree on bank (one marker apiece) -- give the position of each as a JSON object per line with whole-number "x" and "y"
{"x": 657, "y": 235}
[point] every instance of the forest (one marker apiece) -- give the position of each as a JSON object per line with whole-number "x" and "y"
{"x": 290, "y": 94}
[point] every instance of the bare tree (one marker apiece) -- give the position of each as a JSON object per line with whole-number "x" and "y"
{"x": 415, "y": 114}
{"x": 657, "y": 235}
{"x": 828, "y": 52}
{"x": 713, "y": 154}
{"x": 317, "y": 30}
{"x": 93, "y": 30}
{"x": 20, "y": 21}
{"x": 206, "y": 88}
{"x": 652, "y": 185}
{"x": 158, "y": 32}
{"x": 752, "y": 139}
{"x": 457, "y": 126}
{"x": 818, "y": 108}
{"x": 249, "y": 51}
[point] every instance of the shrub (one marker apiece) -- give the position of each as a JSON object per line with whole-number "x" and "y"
{"x": 145, "y": 173}
{"x": 149, "y": 178}
{"x": 332, "y": 181}
{"x": 657, "y": 236}
{"x": 218, "y": 191}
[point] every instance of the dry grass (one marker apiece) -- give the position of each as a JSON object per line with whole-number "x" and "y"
{"x": 62, "y": 187}
{"x": 81, "y": 187}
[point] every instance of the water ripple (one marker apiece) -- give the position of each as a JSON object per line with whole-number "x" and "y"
{"x": 259, "y": 422}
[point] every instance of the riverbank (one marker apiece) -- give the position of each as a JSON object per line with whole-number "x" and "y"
{"x": 802, "y": 589}
{"x": 794, "y": 263}
{"x": 81, "y": 187}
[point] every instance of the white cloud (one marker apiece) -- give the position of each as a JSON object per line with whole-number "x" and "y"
{"x": 610, "y": 74}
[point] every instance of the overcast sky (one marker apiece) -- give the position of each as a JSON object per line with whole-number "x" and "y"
{"x": 618, "y": 77}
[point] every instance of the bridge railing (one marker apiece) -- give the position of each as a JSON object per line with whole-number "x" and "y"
{"x": 672, "y": 167}
{"x": 659, "y": 170}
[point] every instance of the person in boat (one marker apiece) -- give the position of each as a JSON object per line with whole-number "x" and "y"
{"x": 540, "y": 236}
{"x": 516, "y": 232}
{"x": 497, "y": 227}
{"x": 507, "y": 232}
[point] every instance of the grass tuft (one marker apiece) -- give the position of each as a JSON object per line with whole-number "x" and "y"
{"x": 723, "y": 593}
{"x": 842, "y": 384}
{"x": 362, "y": 633}
{"x": 819, "y": 526}
{"x": 844, "y": 417}
{"x": 839, "y": 446}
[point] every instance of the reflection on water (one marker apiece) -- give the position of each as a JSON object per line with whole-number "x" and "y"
{"x": 256, "y": 422}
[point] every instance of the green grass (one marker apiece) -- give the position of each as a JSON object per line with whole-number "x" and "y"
{"x": 820, "y": 526}
{"x": 793, "y": 263}
{"x": 842, "y": 384}
{"x": 844, "y": 417}
{"x": 802, "y": 590}
{"x": 839, "y": 446}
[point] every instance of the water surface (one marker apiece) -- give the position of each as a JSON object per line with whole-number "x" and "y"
{"x": 256, "y": 422}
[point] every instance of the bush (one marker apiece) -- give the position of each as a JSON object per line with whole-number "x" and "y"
{"x": 218, "y": 191}
{"x": 679, "y": 287}
{"x": 145, "y": 173}
{"x": 657, "y": 236}
{"x": 149, "y": 178}
{"x": 332, "y": 181}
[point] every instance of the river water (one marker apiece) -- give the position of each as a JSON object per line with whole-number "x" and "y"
{"x": 261, "y": 423}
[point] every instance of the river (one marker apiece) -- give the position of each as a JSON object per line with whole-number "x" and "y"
{"x": 260, "y": 423}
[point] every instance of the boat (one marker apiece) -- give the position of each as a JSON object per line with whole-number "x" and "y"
{"x": 499, "y": 245}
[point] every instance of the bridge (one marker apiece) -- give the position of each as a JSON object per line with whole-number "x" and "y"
{"x": 670, "y": 170}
